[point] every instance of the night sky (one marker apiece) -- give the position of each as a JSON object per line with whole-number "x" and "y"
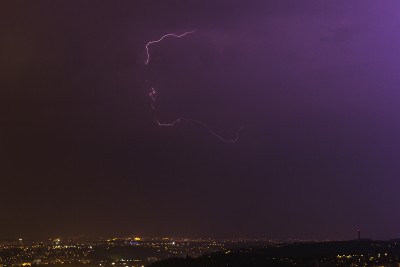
{"x": 315, "y": 84}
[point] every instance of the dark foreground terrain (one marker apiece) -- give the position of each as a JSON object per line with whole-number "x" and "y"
{"x": 343, "y": 253}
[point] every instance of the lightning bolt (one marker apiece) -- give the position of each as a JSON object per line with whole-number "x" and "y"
{"x": 153, "y": 98}
{"x": 162, "y": 38}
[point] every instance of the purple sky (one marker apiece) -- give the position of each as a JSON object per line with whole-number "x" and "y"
{"x": 314, "y": 83}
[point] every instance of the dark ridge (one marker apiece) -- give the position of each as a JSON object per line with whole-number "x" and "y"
{"x": 364, "y": 252}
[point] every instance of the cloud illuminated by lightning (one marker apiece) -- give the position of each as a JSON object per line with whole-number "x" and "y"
{"x": 153, "y": 93}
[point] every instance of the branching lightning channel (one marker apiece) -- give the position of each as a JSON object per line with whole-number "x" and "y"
{"x": 153, "y": 93}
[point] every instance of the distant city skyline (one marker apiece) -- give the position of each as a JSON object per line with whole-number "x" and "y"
{"x": 140, "y": 252}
